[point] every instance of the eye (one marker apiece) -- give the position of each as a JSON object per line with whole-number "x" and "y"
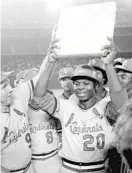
{"x": 122, "y": 77}
{"x": 86, "y": 83}
{"x": 76, "y": 84}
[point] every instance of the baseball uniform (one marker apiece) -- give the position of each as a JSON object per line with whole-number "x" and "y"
{"x": 15, "y": 137}
{"x": 45, "y": 141}
{"x": 85, "y": 135}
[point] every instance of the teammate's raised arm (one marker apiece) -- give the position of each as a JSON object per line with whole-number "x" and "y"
{"x": 117, "y": 92}
{"x": 42, "y": 97}
{"x": 47, "y": 67}
{"x": 45, "y": 73}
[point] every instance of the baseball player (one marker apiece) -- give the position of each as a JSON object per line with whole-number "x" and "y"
{"x": 45, "y": 141}
{"x": 124, "y": 72}
{"x": 99, "y": 66}
{"x": 100, "y": 69}
{"x": 44, "y": 136}
{"x": 15, "y": 134}
{"x": 67, "y": 85}
{"x": 65, "y": 82}
{"x": 15, "y": 139}
{"x": 85, "y": 128}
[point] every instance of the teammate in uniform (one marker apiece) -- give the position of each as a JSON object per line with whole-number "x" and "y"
{"x": 85, "y": 127}
{"x": 65, "y": 82}
{"x": 100, "y": 69}
{"x": 67, "y": 85}
{"x": 15, "y": 137}
{"x": 45, "y": 139}
{"x": 124, "y": 72}
{"x": 15, "y": 134}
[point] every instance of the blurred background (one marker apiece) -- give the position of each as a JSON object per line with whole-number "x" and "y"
{"x": 26, "y": 27}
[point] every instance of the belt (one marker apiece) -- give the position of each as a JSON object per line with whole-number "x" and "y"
{"x": 44, "y": 156}
{"x": 23, "y": 170}
{"x": 83, "y": 167}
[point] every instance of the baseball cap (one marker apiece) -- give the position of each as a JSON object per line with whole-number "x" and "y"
{"x": 118, "y": 61}
{"x": 12, "y": 78}
{"x": 30, "y": 74}
{"x": 66, "y": 72}
{"x": 85, "y": 71}
{"x": 20, "y": 75}
{"x": 99, "y": 65}
{"x": 126, "y": 66}
{"x": 3, "y": 76}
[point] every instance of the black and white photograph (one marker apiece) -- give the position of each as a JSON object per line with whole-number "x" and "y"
{"x": 66, "y": 86}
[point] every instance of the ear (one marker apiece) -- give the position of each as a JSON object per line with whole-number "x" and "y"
{"x": 96, "y": 87}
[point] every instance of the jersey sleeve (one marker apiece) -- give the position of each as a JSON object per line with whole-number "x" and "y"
{"x": 50, "y": 104}
{"x": 110, "y": 113}
{"x": 118, "y": 99}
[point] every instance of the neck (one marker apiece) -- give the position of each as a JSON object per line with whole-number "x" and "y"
{"x": 67, "y": 94}
{"x": 5, "y": 108}
{"x": 87, "y": 104}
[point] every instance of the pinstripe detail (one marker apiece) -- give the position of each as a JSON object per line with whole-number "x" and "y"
{"x": 44, "y": 156}
{"x": 82, "y": 168}
{"x": 33, "y": 108}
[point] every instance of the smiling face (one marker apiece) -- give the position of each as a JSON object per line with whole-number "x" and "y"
{"x": 84, "y": 89}
{"x": 6, "y": 92}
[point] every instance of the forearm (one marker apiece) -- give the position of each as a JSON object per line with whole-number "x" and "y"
{"x": 117, "y": 93}
{"x": 43, "y": 77}
{"x": 113, "y": 81}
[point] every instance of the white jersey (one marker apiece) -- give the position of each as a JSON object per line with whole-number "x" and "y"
{"x": 86, "y": 133}
{"x": 43, "y": 132}
{"x": 15, "y": 137}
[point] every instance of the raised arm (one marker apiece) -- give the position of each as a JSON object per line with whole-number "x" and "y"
{"x": 46, "y": 70}
{"x": 47, "y": 65}
{"x": 118, "y": 94}
{"x": 42, "y": 98}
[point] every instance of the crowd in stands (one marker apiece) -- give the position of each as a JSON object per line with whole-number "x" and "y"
{"x": 24, "y": 62}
